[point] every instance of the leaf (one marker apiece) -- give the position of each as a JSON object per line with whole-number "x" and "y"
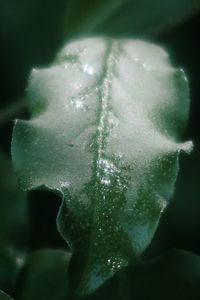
{"x": 147, "y": 17}
{"x": 125, "y": 17}
{"x": 107, "y": 118}
{"x": 81, "y": 17}
{"x": 177, "y": 269}
{"x": 45, "y": 276}
{"x": 13, "y": 225}
{"x": 4, "y": 296}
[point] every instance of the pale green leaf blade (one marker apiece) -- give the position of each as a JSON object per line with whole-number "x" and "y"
{"x": 106, "y": 130}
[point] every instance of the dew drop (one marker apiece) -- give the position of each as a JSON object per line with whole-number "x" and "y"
{"x": 105, "y": 181}
{"x": 88, "y": 69}
{"x": 162, "y": 203}
{"x": 64, "y": 184}
{"x": 78, "y": 102}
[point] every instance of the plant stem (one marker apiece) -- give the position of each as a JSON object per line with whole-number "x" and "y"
{"x": 12, "y": 111}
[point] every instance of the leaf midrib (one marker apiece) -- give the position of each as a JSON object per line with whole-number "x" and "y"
{"x": 107, "y": 75}
{"x": 102, "y": 130}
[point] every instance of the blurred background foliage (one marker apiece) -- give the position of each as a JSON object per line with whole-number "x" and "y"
{"x": 31, "y": 32}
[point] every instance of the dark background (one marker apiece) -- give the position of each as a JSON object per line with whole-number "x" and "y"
{"x": 30, "y": 36}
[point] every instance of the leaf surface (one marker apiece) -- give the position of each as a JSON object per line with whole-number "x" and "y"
{"x": 125, "y": 17}
{"x": 45, "y": 276}
{"x": 105, "y": 133}
{"x": 82, "y": 17}
{"x": 4, "y": 296}
{"x": 148, "y": 278}
{"x": 147, "y": 17}
{"x": 14, "y": 227}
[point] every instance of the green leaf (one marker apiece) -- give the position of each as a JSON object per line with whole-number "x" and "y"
{"x": 105, "y": 132}
{"x": 4, "y": 296}
{"x": 125, "y": 17}
{"x": 148, "y": 17}
{"x": 175, "y": 269}
{"x": 45, "y": 276}
{"x": 13, "y": 225}
{"x": 82, "y": 16}
{"x": 178, "y": 269}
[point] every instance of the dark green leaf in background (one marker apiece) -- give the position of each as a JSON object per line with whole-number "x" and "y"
{"x": 31, "y": 32}
{"x": 148, "y": 17}
{"x": 173, "y": 275}
{"x": 105, "y": 133}
{"x": 82, "y": 16}
{"x": 14, "y": 227}
{"x": 4, "y": 296}
{"x": 45, "y": 276}
{"x": 125, "y": 17}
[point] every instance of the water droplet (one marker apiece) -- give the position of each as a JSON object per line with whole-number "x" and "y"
{"x": 105, "y": 181}
{"x": 146, "y": 67}
{"x": 78, "y": 102}
{"x": 162, "y": 203}
{"x": 64, "y": 184}
{"x": 88, "y": 69}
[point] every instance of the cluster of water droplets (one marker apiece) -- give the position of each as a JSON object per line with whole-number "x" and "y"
{"x": 107, "y": 170}
{"x": 110, "y": 175}
{"x": 78, "y": 102}
{"x": 114, "y": 264}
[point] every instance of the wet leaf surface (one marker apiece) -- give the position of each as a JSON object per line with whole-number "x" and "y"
{"x": 105, "y": 133}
